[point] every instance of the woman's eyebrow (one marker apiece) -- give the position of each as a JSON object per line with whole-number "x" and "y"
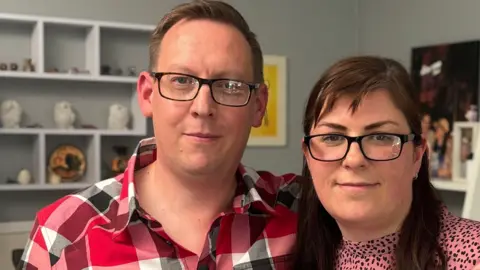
{"x": 367, "y": 127}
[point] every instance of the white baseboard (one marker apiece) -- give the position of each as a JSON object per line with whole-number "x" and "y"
{"x": 15, "y": 227}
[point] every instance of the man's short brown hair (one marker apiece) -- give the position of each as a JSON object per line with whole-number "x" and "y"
{"x": 211, "y": 10}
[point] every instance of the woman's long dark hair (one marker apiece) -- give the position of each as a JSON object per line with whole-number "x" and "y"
{"x": 318, "y": 236}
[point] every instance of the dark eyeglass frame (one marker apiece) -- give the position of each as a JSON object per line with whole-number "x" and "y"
{"x": 404, "y": 138}
{"x": 201, "y": 81}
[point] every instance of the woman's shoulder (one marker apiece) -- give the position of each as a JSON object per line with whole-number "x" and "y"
{"x": 460, "y": 240}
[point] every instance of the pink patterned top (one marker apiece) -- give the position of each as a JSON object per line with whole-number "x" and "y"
{"x": 459, "y": 239}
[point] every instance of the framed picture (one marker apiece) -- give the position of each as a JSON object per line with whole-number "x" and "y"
{"x": 465, "y": 137}
{"x": 273, "y": 131}
{"x": 447, "y": 78}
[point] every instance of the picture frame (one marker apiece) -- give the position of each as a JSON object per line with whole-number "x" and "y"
{"x": 273, "y": 131}
{"x": 465, "y": 139}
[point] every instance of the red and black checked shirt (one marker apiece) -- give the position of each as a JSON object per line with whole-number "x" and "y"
{"x": 103, "y": 227}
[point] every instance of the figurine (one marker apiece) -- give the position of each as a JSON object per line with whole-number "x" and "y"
{"x": 11, "y": 114}
{"x": 24, "y": 177}
{"x": 3, "y": 66}
{"x": 472, "y": 114}
{"x": 28, "y": 65}
{"x": 118, "y": 118}
{"x": 64, "y": 116}
{"x": 132, "y": 71}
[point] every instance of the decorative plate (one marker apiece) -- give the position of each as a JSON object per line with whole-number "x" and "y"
{"x": 68, "y": 162}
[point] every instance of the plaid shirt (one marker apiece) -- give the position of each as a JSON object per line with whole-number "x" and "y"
{"x": 103, "y": 227}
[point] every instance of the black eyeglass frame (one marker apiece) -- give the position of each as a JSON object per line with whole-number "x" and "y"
{"x": 404, "y": 138}
{"x": 201, "y": 81}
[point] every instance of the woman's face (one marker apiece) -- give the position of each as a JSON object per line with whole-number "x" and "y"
{"x": 356, "y": 190}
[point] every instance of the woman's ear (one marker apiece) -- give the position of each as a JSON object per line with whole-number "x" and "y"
{"x": 419, "y": 151}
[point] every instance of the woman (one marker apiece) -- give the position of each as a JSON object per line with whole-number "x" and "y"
{"x": 370, "y": 204}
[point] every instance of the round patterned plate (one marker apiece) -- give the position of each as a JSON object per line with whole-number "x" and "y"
{"x": 68, "y": 162}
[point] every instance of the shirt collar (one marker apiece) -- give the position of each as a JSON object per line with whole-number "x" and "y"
{"x": 254, "y": 195}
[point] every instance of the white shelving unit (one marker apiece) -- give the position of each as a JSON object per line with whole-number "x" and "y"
{"x": 468, "y": 190}
{"x": 64, "y": 44}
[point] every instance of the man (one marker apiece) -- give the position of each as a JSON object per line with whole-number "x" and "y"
{"x": 185, "y": 201}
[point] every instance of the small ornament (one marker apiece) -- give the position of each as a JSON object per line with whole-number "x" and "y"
{"x": 132, "y": 71}
{"x": 73, "y": 70}
{"x": 3, "y": 66}
{"x": 472, "y": 114}
{"x": 105, "y": 70}
{"x": 64, "y": 115}
{"x": 13, "y": 66}
{"x": 54, "y": 178}
{"x": 118, "y": 118}
{"x": 11, "y": 113}
{"x": 119, "y": 163}
{"x": 24, "y": 177}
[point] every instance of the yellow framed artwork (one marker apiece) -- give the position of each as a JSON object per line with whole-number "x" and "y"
{"x": 273, "y": 131}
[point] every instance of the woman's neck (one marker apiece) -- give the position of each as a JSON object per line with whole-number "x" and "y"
{"x": 374, "y": 228}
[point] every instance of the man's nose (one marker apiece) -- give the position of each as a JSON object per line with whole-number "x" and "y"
{"x": 203, "y": 105}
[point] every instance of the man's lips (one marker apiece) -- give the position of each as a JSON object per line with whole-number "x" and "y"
{"x": 201, "y": 135}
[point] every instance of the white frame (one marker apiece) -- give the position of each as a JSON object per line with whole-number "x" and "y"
{"x": 281, "y": 138}
{"x": 457, "y": 131}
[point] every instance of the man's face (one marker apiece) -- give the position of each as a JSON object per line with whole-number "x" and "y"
{"x": 201, "y": 137}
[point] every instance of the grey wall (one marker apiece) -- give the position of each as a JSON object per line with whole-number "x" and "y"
{"x": 311, "y": 33}
{"x": 392, "y": 28}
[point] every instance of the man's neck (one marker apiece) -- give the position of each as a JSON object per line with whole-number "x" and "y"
{"x": 206, "y": 194}
{"x": 201, "y": 198}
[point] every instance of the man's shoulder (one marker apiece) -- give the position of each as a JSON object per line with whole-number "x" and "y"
{"x": 97, "y": 202}
{"x": 273, "y": 182}
{"x": 286, "y": 187}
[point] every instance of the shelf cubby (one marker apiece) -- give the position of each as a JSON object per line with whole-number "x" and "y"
{"x": 24, "y": 36}
{"x": 90, "y": 102}
{"x": 122, "y": 48}
{"x": 88, "y": 146}
{"x": 20, "y": 152}
{"x": 69, "y": 48}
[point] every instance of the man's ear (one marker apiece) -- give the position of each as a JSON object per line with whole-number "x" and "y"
{"x": 260, "y": 100}
{"x": 145, "y": 85}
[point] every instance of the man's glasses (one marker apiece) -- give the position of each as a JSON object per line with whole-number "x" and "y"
{"x": 185, "y": 87}
{"x": 376, "y": 147}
